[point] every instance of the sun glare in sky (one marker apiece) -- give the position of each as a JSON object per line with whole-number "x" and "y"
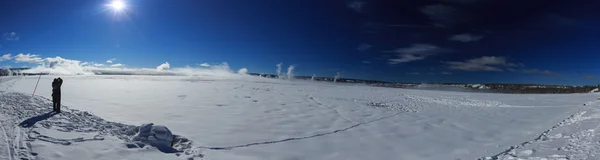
{"x": 117, "y": 5}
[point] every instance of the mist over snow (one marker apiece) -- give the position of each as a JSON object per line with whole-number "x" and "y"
{"x": 57, "y": 65}
{"x": 243, "y": 71}
{"x": 63, "y": 66}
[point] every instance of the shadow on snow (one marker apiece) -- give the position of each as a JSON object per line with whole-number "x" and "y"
{"x": 31, "y": 121}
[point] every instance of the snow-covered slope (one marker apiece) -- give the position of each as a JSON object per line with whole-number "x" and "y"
{"x": 594, "y": 90}
{"x": 257, "y": 118}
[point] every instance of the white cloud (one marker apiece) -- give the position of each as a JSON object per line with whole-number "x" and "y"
{"x": 415, "y": 52}
{"x": 366, "y": 62}
{"x": 98, "y": 65}
{"x": 111, "y": 60}
{"x": 204, "y": 65}
{"x": 243, "y": 71}
{"x": 466, "y": 37}
{"x": 357, "y": 6}
{"x": 28, "y": 58}
{"x": 163, "y": 66}
{"x": 10, "y": 36}
{"x": 117, "y": 65}
{"x": 414, "y": 73}
{"x": 5, "y": 57}
{"x": 485, "y": 63}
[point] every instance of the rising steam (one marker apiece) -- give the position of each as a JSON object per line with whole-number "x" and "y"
{"x": 290, "y": 72}
{"x": 279, "y": 70}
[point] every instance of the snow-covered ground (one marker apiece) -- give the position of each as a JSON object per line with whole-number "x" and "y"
{"x": 243, "y": 117}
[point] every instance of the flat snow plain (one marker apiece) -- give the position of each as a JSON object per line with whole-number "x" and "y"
{"x": 244, "y": 117}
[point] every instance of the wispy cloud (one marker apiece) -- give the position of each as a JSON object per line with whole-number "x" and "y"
{"x": 364, "y": 47}
{"x": 590, "y": 77}
{"x": 537, "y": 71}
{"x": 557, "y": 20}
{"x": 486, "y": 63}
{"x": 409, "y": 25}
{"x": 357, "y": 6}
{"x": 98, "y": 65}
{"x": 413, "y": 73}
{"x": 466, "y": 37}
{"x": 163, "y": 66}
{"x": 28, "y": 58}
{"x": 5, "y": 57}
{"x": 10, "y": 36}
{"x": 204, "y": 65}
{"x": 492, "y": 63}
{"x": 462, "y": 1}
{"x": 446, "y": 73}
{"x": 117, "y": 65}
{"x": 366, "y": 62}
{"x": 444, "y": 15}
{"x": 414, "y": 53}
{"x": 111, "y": 60}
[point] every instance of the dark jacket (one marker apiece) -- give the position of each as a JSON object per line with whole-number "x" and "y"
{"x": 56, "y": 84}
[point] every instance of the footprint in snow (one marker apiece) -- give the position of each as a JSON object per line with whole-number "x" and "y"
{"x": 526, "y": 153}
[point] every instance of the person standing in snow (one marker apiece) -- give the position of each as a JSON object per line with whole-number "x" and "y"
{"x": 56, "y": 94}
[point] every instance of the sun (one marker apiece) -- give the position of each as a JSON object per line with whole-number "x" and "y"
{"x": 117, "y": 5}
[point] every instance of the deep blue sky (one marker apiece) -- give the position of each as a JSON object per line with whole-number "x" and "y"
{"x": 472, "y": 41}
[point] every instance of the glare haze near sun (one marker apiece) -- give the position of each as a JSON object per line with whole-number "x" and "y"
{"x": 117, "y": 6}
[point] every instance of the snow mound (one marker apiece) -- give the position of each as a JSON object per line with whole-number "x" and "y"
{"x": 155, "y": 135}
{"x": 594, "y": 90}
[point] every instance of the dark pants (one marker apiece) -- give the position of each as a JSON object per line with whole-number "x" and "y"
{"x": 56, "y": 101}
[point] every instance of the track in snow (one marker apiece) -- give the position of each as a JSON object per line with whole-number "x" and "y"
{"x": 301, "y": 138}
{"x": 7, "y": 145}
{"x": 571, "y": 142}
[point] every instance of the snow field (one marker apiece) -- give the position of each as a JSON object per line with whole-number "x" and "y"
{"x": 258, "y": 118}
